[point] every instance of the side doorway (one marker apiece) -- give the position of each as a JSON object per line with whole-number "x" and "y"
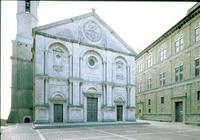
{"x": 58, "y": 113}
{"x": 119, "y": 112}
{"x": 178, "y": 111}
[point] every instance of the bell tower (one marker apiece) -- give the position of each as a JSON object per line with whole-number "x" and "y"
{"x": 22, "y": 65}
{"x": 26, "y": 19}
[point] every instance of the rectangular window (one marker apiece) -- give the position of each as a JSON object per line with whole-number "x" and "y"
{"x": 139, "y": 86}
{"x": 149, "y": 84}
{"x": 198, "y": 95}
{"x": 197, "y": 33}
{"x": 179, "y": 73}
{"x": 163, "y": 55}
{"x": 149, "y": 101}
{"x": 162, "y": 79}
{"x": 179, "y": 44}
{"x": 197, "y": 67}
{"x": 149, "y": 62}
{"x": 162, "y": 100}
{"x": 27, "y": 6}
{"x": 140, "y": 68}
{"x": 149, "y": 110}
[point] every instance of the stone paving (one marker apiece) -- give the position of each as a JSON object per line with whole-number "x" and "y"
{"x": 152, "y": 131}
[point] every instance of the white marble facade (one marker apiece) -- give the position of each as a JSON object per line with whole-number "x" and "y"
{"x": 80, "y": 58}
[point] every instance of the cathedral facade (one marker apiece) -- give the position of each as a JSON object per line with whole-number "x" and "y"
{"x": 82, "y": 71}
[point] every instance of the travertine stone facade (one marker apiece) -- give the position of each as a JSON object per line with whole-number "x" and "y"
{"x": 82, "y": 71}
{"x": 172, "y": 65}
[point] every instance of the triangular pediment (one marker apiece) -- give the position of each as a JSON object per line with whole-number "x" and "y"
{"x": 88, "y": 28}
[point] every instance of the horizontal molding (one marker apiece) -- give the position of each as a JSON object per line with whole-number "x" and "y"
{"x": 186, "y": 82}
{"x": 82, "y": 81}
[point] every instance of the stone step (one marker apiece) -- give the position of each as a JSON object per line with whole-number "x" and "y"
{"x": 70, "y": 125}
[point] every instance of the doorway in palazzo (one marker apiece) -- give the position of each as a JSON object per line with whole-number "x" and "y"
{"x": 119, "y": 112}
{"x": 92, "y": 109}
{"x": 58, "y": 113}
{"x": 179, "y": 111}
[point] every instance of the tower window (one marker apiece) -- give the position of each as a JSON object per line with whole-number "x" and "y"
{"x": 27, "y": 6}
{"x": 162, "y": 100}
{"x": 198, "y": 95}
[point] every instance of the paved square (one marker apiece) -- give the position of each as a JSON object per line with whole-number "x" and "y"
{"x": 153, "y": 131}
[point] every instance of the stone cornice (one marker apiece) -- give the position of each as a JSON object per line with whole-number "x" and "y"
{"x": 176, "y": 27}
{"x": 81, "y": 43}
{"x": 82, "y": 81}
{"x": 169, "y": 86}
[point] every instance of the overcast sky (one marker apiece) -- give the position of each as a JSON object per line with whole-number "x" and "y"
{"x": 138, "y": 24}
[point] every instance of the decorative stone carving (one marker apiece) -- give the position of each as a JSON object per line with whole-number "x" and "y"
{"x": 119, "y": 70}
{"x": 92, "y": 31}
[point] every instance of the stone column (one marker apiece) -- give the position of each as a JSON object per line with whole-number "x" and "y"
{"x": 70, "y": 92}
{"x": 109, "y": 95}
{"x": 132, "y": 97}
{"x": 127, "y": 74}
{"x": 75, "y": 92}
{"x": 80, "y": 68}
{"x": 81, "y": 94}
{"x": 103, "y": 71}
{"x": 70, "y": 65}
{"x": 127, "y": 96}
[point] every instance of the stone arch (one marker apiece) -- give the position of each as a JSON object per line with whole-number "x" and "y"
{"x": 58, "y": 96}
{"x": 118, "y": 58}
{"x": 59, "y": 44}
{"x": 92, "y": 89}
{"x": 87, "y": 51}
{"x": 119, "y": 100}
{"x": 27, "y": 119}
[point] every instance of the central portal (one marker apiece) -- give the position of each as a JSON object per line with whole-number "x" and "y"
{"x": 92, "y": 109}
{"x": 119, "y": 112}
{"x": 58, "y": 113}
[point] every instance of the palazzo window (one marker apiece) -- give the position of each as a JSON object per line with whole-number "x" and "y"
{"x": 119, "y": 70}
{"x": 149, "y": 84}
{"x": 149, "y": 101}
{"x": 139, "y": 86}
{"x": 149, "y": 62}
{"x": 140, "y": 67}
{"x": 179, "y": 44}
{"x": 179, "y": 73}
{"x": 197, "y": 33}
{"x": 27, "y": 6}
{"x": 162, "y": 79}
{"x": 197, "y": 67}
{"x": 163, "y": 55}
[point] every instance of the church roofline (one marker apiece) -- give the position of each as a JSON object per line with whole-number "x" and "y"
{"x": 70, "y": 20}
{"x": 174, "y": 28}
{"x": 81, "y": 43}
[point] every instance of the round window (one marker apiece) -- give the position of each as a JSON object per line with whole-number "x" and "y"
{"x": 92, "y": 61}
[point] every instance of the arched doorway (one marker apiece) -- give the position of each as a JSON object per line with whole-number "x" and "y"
{"x": 27, "y": 119}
